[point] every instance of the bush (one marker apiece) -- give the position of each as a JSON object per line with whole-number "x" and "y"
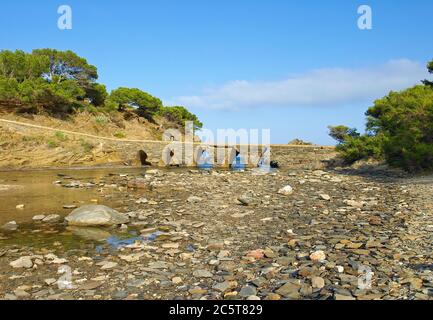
{"x": 101, "y": 119}
{"x": 361, "y": 147}
{"x": 399, "y": 130}
{"x": 61, "y": 136}
{"x": 52, "y": 144}
{"x": 87, "y": 146}
{"x": 406, "y": 120}
{"x": 120, "y": 135}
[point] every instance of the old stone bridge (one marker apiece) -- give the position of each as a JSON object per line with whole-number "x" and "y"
{"x": 183, "y": 153}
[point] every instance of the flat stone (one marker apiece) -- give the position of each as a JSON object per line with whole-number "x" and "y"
{"x": 95, "y": 215}
{"x": 202, "y": 274}
{"x": 21, "y": 293}
{"x": 119, "y": 295}
{"x": 23, "y": 262}
{"x": 197, "y": 291}
{"x": 50, "y": 281}
{"x": 289, "y": 290}
{"x": 90, "y": 285}
{"x": 108, "y": 265}
{"x": 343, "y": 297}
{"x": 247, "y": 291}
{"x": 248, "y": 199}
{"x": 51, "y": 218}
{"x": 69, "y": 206}
{"x": 317, "y": 282}
{"x": 325, "y": 197}
{"x": 273, "y": 297}
{"x": 222, "y": 287}
{"x": 194, "y": 199}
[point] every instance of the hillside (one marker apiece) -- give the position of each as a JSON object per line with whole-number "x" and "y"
{"x": 25, "y": 147}
{"x": 49, "y": 89}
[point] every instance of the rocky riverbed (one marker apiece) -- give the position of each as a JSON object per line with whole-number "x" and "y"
{"x": 288, "y": 234}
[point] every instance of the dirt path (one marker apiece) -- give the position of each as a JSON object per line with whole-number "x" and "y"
{"x": 74, "y": 133}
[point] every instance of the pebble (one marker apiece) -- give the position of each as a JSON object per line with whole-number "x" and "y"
{"x": 317, "y": 282}
{"x": 69, "y": 206}
{"x": 325, "y": 197}
{"x": 194, "y": 199}
{"x": 176, "y": 280}
{"x": 51, "y": 218}
{"x": 318, "y": 256}
{"x": 273, "y": 247}
{"x": 248, "y": 291}
{"x": 108, "y": 265}
{"x": 286, "y": 191}
{"x": 202, "y": 274}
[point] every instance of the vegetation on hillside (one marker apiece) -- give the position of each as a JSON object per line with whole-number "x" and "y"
{"x": 61, "y": 83}
{"x": 399, "y": 130}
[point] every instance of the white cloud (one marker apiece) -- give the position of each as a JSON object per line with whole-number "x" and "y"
{"x": 321, "y": 87}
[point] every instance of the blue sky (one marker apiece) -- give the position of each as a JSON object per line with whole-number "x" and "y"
{"x": 294, "y": 67}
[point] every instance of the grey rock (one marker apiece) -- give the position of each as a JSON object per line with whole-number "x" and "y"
{"x": 10, "y": 226}
{"x": 289, "y": 290}
{"x": 23, "y": 262}
{"x": 51, "y": 218}
{"x": 95, "y": 215}
{"x": 202, "y": 274}
{"x": 247, "y": 291}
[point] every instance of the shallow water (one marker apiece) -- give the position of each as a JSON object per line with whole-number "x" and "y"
{"x": 39, "y": 195}
{"x": 38, "y": 191}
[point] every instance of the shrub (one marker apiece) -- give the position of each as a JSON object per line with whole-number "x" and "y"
{"x": 120, "y": 135}
{"x": 87, "y": 146}
{"x": 52, "y": 144}
{"x": 399, "y": 130}
{"x": 61, "y": 136}
{"x": 101, "y": 120}
{"x": 360, "y": 147}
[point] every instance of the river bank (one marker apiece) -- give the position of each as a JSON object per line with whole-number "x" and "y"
{"x": 224, "y": 235}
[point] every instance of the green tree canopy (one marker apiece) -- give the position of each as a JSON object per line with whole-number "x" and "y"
{"x": 61, "y": 81}
{"x": 406, "y": 120}
{"x": 180, "y": 114}
{"x": 145, "y": 104}
{"x": 342, "y": 133}
{"x": 430, "y": 69}
{"x": 399, "y": 129}
{"x": 21, "y": 66}
{"x": 96, "y": 93}
{"x": 66, "y": 65}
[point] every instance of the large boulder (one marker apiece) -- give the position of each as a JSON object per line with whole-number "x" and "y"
{"x": 95, "y": 215}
